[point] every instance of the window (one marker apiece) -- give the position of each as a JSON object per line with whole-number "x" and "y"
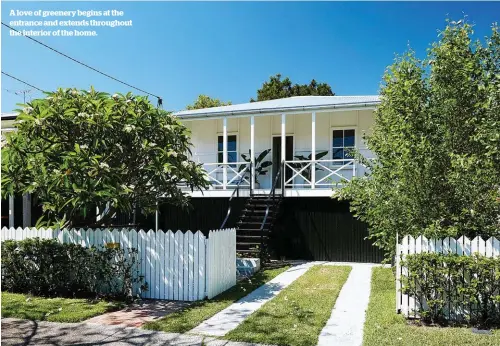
{"x": 343, "y": 140}
{"x": 232, "y": 151}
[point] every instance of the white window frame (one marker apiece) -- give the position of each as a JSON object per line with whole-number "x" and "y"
{"x": 220, "y": 134}
{"x": 333, "y": 128}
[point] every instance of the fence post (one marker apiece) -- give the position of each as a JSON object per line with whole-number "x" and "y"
{"x": 398, "y": 276}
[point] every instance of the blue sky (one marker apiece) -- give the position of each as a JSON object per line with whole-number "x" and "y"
{"x": 227, "y": 50}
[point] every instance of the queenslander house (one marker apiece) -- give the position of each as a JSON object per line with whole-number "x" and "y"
{"x": 274, "y": 167}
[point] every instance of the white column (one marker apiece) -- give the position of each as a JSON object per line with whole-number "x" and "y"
{"x": 313, "y": 150}
{"x": 252, "y": 150}
{"x": 283, "y": 144}
{"x": 283, "y": 136}
{"x": 156, "y": 217}
{"x": 11, "y": 211}
{"x": 26, "y": 210}
{"x": 224, "y": 152}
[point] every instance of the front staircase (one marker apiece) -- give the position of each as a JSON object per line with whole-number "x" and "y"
{"x": 257, "y": 217}
{"x": 255, "y": 224}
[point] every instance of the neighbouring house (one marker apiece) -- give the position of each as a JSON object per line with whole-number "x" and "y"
{"x": 289, "y": 210}
{"x": 20, "y": 203}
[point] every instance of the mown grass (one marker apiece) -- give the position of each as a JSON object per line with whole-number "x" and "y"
{"x": 53, "y": 309}
{"x": 384, "y": 327}
{"x": 194, "y": 314}
{"x": 296, "y": 316}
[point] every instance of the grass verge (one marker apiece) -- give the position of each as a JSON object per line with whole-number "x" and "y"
{"x": 193, "y": 315}
{"x": 384, "y": 327}
{"x": 296, "y": 316}
{"x": 52, "y": 309}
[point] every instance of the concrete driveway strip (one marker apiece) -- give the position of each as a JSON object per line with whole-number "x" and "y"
{"x": 27, "y": 333}
{"x": 231, "y": 317}
{"x": 345, "y": 326}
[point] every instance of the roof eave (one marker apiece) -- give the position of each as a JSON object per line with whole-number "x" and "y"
{"x": 367, "y": 105}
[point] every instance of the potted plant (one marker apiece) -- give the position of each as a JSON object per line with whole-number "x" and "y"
{"x": 307, "y": 171}
{"x": 260, "y": 165}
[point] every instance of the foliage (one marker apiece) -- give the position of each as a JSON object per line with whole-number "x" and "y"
{"x": 78, "y": 150}
{"x": 53, "y": 309}
{"x": 188, "y": 318}
{"x": 468, "y": 284}
{"x": 383, "y": 326}
{"x": 436, "y": 137}
{"x": 204, "y": 101}
{"x": 45, "y": 267}
{"x": 276, "y": 88}
{"x": 307, "y": 171}
{"x": 296, "y": 316}
{"x": 260, "y": 164}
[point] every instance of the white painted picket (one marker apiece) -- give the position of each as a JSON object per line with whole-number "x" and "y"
{"x": 176, "y": 266}
{"x": 463, "y": 246}
{"x": 222, "y": 262}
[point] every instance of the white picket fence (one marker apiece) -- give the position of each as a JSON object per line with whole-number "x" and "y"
{"x": 463, "y": 246}
{"x": 176, "y": 266}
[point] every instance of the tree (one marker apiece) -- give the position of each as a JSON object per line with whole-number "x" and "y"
{"x": 78, "y": 150}
{"x": 204, "y": 101}
{"x": 276, "y": 88}
{"x": 437, "y": 140}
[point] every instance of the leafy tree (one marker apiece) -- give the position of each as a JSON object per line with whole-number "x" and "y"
{"x": 76, "y": 150}
{"x": 276, "y": 88}
{"x": 437, "y": 139}
{"x": 204, "y": 101}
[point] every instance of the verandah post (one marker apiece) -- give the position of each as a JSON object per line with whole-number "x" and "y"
{"x": 283, "y": 140}
{"x": 252, "y": 153}
{"x": 224, "y": 153}
{"x": 313, "y": 150}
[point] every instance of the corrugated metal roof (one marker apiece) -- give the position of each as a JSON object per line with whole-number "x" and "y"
{"x": 296, "y": 103}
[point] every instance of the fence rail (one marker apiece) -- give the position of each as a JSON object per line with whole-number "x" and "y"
{"x": 177, "y": 266}
{"x": 463, "y": 246}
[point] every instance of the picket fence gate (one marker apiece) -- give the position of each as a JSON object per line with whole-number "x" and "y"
{"x": 176, "y": 266}
{"x": 463, "y": 246}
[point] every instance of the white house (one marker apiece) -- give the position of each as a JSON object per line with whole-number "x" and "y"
{"x": 310, "y": 139}
{"x": 292, "y": 128}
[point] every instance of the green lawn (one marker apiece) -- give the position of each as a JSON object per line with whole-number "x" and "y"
{"x": 296, "y": 316}
{"x": 384, "y": 327}
{"x": 52, "y": 309}
{"x": 193, "y": 315}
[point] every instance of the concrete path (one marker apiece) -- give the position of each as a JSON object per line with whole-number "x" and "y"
{"x": 228, "y": 319}
{"x": 27, "y": 333}
{"x": 139, "y": 313}
{"x": 345, "y": 326}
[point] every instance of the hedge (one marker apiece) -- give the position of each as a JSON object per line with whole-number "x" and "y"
{"x": 450, "y": 287}
{"x": 45, "y": 267}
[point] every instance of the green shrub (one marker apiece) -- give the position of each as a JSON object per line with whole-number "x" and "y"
{"x": 450, "y": 287}
{"x": 45, "y": 267}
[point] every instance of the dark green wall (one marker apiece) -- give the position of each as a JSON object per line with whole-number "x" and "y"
{"x": 205, "y": 214}
{"x": 308, "y": 228}
{"x": 322, "y": 229}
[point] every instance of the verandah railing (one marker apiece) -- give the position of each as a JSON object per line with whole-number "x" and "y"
{"x": 319, "y": 173}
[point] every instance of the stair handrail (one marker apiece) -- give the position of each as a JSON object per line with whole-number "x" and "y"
{"x": 273, "y": 194}
{"x": 236, "y": 191}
